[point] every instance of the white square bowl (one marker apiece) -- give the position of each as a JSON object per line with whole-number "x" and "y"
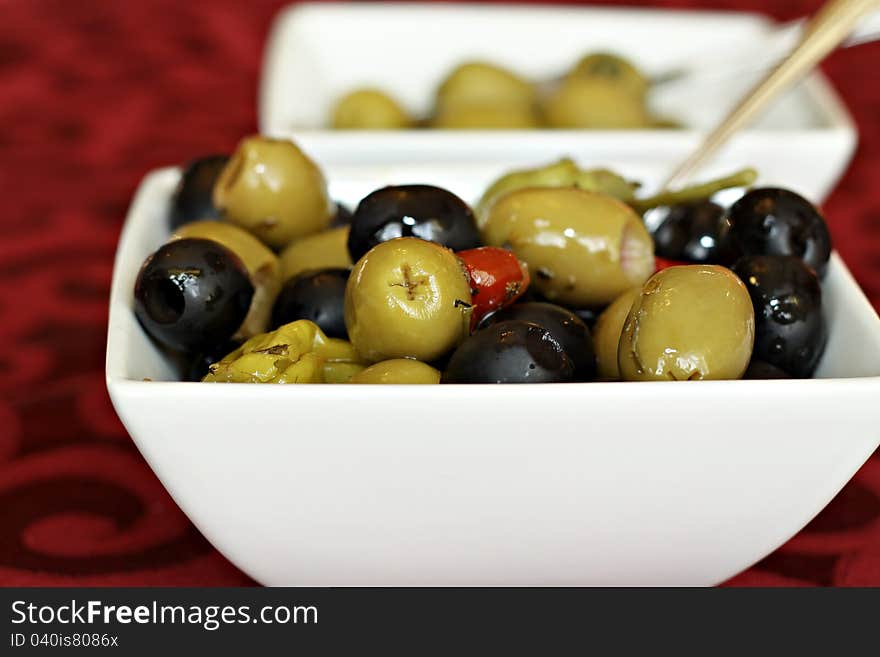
{"x": 558, "y": 484}
{"x": 317, "y": 52}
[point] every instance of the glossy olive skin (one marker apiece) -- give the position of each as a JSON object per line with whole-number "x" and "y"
{"x": 407, "y": 298}
{"x": 262, "y": 264}
{"x": 688, "y": 323}
{"x": 325, "y": 250}
{"x": 514, "y": 351}
{"x": 398, "y": 371}
{"x": 424, "y": 211}
{"x": 192, "y": 294}
{"x": 318, "y": 296}
{"x": 607, "y": 332}
{"x": 192, "y": 199}
{"x": 274, "y": 190}
{"x": 790, "y": 329}
{"x": 369, "y": 109}
{"x": 565, "y": 327}
{"x": 774, "y": 221}
{"x": 582, "y": 248}
{"x": 692, "y": 232}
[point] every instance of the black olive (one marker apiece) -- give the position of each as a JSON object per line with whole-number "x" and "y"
{"x": 317, "y": 296}
{"x": 790, "y": 331}
{"x": 192, "y": 294}
{"x": 200, "y": 361}
{"x": 423, "y": 211}
{"x": 192, "y": 199}
{"x": 758, "y": 369}
{"x": 510, "y": 352}
{"x": 342, "y": 217}
{"x": 691, "y": 232}
{"x": 565, "y": 327}
{"x": 773, "y": 221}
{"x": 588, "y": 315}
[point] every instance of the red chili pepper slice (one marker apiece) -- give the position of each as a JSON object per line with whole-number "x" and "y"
{"x": 662, "y": 263}
{"x": 497, "y": 278}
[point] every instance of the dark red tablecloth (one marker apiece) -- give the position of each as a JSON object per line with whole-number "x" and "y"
{"x": 95, "y": 93}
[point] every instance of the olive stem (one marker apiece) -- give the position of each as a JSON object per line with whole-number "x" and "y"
{"x": 742, "y": 178}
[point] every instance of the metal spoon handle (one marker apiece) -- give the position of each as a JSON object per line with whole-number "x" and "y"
{"x": 831, "y": 25}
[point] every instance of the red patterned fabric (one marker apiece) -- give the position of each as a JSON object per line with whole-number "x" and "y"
{"x": 95, "y": 93}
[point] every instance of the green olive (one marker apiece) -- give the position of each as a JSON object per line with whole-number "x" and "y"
{"x": 339, "y": 372}
{"x": 369, "y": 109}
{"x": 341, "y": 360}
{"x": 272, "y": 189}
{"x": 562, "y": 173}
{"x": 407, "y": 298}
{"x": 486, "y": 116}
{"x": 483, "y": 83}
{"x": 397, "y": 370}
{"x": 614, "y": 68}
{"x": 583, "y": 248}
{"x": 606, "y": 334}
{"x": 325, "y": 250}
{"x": 688, "y": 323}
{"x": 593, "y": 102}
{"x": 262, "y": 265}
{"x": 298, "y": 352}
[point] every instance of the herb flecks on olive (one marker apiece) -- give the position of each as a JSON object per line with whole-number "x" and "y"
{"x": 262, "y": 265}
{"x": 398, "y": 371}
{"x": 790, "y": 330}
{"x": 497, "y": 279}
{"x": 607, "y": 332}
{"x": 688, "y": 323}
{"x": 565, "y": 327}
{"x": 294, "y": 353}
{"x": 513, "y": 351}
{"x": 193, "y": 197}
{"x": 407, "y": 298}
{"x": 582, "y": 248}
{"x": 423, "y": 211}
{"x": 774, "y": 221}
{"x": 271, "y": 188}
{"x": 192, "y": 294}
{"x": 318, "y": 296}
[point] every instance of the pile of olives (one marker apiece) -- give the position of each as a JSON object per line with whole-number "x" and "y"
{"x": 551, "y": 277}
{"x": 601, "y": 91}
